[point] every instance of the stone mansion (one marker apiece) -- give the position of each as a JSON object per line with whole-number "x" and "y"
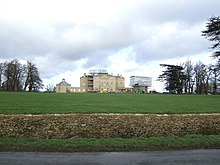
{"x": 102, "y": 81}
{"x": 95, "y": 81}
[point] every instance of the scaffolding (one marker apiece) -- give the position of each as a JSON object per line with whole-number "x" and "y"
{"x": 99, "y": 71}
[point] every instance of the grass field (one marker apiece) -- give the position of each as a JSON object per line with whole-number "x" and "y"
{"x": 110, "y": 144}
{"x": 47, "y": 103}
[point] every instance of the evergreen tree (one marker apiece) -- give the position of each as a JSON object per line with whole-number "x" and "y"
{"x": 212, "y": 33}
{"x": 174, "y": 77}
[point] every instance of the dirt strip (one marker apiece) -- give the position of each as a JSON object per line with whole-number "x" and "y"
{"x": 66, "y": 126}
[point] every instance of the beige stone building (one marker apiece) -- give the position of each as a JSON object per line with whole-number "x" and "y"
{"x": 95, "y": 81}
{"x": 63, "y": 87}
{"x": 101, "y": 81}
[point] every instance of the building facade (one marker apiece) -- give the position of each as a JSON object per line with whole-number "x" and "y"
{"x": 63, "y": 87}
{"x": 101, "y": 81}
{"x": 140, "y": 81}
{"x": 140, "y": 84}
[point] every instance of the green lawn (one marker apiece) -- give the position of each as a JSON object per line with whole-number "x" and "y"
{"x": 43, "y": 103}
{"x": 110, "y": 144}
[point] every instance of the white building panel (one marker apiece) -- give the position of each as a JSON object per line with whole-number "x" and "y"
{"x": 140, "y": 81}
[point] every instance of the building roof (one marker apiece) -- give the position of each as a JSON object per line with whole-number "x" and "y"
{"x": 63, "y": 82}
{"x": 109, "y": 75}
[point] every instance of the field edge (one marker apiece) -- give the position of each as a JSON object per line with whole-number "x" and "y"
{"x": 109, "y": 144}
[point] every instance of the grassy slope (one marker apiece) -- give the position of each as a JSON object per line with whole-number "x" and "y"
{"x": 110, "y": 144}
{"x": 35, "y": 103}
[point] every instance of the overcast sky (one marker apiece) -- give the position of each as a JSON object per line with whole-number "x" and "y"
{"x": 67, "y": 38}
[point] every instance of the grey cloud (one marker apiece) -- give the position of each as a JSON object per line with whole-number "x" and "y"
{"x": 188, "y": 11}
{"x": 65, "y": 42}
{"x": 185, "y": 42}
{"x": 99, "y": 42}
{"x": 21, "y": 41}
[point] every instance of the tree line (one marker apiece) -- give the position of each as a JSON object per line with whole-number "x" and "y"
{"x": 190, "y": 78}
{"x": 196, "y": 78}
{"x": 15, "y": 76}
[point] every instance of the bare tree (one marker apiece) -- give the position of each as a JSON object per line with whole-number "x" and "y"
{"x": 214, "y": 83}
{"x": 189, "y": 72}
{"x": 200, "y": 72}
{"x": 50, "y": 88}
{"x": 33, "y": 81}
{"x": 13, "y": 73}
{"x": 203, "y": 77}
{"x": 208, "y": 78}
{"x": 1, "y": 74}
